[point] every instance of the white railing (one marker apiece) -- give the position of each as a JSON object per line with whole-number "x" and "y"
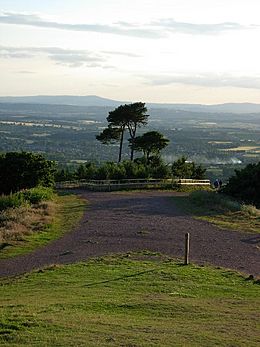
{"x": 108, "y": 185}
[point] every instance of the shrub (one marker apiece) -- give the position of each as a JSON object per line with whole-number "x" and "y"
{"x": 181, "y": 168}
{"x": 10, "y": 201}
{"x": 36, "y": 195}
{"x": 23, "y": 170}
{"x": 245, "y": 184}
{"x": 30, "y": 196}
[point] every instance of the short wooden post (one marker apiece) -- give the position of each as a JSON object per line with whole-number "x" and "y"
{"x": 187, "y": 248}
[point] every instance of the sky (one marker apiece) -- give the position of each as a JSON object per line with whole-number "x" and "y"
{"x": 176, "y": 51}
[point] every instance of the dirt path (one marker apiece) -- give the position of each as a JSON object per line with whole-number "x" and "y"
{"x": 122, "y": 222}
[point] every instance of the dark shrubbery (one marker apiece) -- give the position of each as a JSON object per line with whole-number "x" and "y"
{"x": 152, "y": 167}
{"x": 127, "y": 169}
{"x": 23, "y": 170}
{"x": 245, "y": 184}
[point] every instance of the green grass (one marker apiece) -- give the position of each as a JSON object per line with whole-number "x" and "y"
{"x": 220, "y": 210}
{"x": 69, "y": 211}
{"x": 125, "y": 301}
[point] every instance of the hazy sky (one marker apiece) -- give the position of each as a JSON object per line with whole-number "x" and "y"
{"x": 191, "y": 51}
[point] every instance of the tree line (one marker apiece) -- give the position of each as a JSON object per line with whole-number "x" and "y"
{"x": 23, "y": 170}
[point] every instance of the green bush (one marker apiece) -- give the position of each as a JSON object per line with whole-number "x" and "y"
{"x": 36, "y": 195}
{"x": 24, "y": 170}
{"x": 10, "y": 201}
{"x": 29, "y": 196}
{"x": 245, "y": 185}
{"x": 182, "y": 168}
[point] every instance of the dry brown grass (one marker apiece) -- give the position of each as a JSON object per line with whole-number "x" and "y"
{"x": 16, "y": 223}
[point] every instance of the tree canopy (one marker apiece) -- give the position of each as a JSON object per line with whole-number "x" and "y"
{"x": 128, "y": 116}
{"x": 21, "y": 170}
{"x": 109, "y": 135}
{"x": 151, "y": 142}
{"x": 182, "y": 168}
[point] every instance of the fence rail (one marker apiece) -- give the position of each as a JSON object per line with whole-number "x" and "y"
{"x": 124, "y": 184}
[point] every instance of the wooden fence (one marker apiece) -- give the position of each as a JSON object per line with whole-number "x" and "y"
{"x": 128, "y": 184}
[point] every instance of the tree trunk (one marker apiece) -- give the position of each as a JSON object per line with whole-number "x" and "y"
{"x": 121, "y": 144}
{"x": 132, "y": 154}
{"x": 132, "y": 133}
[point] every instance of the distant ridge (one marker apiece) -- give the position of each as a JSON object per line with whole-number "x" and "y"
{"x": 97, "y": 101}
{"x": 219, "y": 108}
{"x": 88, "y": 100}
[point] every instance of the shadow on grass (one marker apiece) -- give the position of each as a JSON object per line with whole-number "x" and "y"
{"x": 120, "y": 278}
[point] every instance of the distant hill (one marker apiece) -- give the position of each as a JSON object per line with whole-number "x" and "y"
{"x": 219, "y": 108}
{"x": 97, "y": 101}
{"x": 88, "y": 100}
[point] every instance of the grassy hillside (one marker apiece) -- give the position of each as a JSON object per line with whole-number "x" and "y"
{"x": 132, "y": 300}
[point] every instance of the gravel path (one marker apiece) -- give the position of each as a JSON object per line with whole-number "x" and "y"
{"x": 122, "y": 222}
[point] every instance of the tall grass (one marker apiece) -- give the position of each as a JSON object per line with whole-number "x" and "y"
{"x": 18, "y": 222}
{"x": 250, "y": 210}
{"x": 221, "y": 210}
{"x": 24, "y": 212}
{"x": 214, "y": 200}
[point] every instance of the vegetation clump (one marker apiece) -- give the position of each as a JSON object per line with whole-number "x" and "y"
{"x": 182, "y": 168}
{"x": 245, "y": 185}
{"x": 25, "y": 212}
{"x": 148, "y": 166}
{"x": 28, "y": 196}
{"x": 222, "y": 210}
{"x": 23, "y": 170}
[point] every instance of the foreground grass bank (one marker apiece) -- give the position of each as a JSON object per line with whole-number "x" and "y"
{"x": 45, "y": 223}
{"x": 220, "y": 210}
{"x": 130, "y": 301}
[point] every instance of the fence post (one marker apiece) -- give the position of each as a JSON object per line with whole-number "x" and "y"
{"x": 187, "y": 248}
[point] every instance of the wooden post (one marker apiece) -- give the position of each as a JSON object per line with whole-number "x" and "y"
{"x": 187, "y": 248}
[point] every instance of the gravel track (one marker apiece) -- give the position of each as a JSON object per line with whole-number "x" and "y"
{"x": 122, "y": 222}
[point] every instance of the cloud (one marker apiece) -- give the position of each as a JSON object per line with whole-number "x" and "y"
{"x": 156, "y": 29}
{"x": 117, "y": 28}
{"x": 191, "y": 28}
{"x": 126, "y": 54}
{"x": 71, "y": 58}
{"x": 205, "y": 80}
{"x": 25, "y": 72}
